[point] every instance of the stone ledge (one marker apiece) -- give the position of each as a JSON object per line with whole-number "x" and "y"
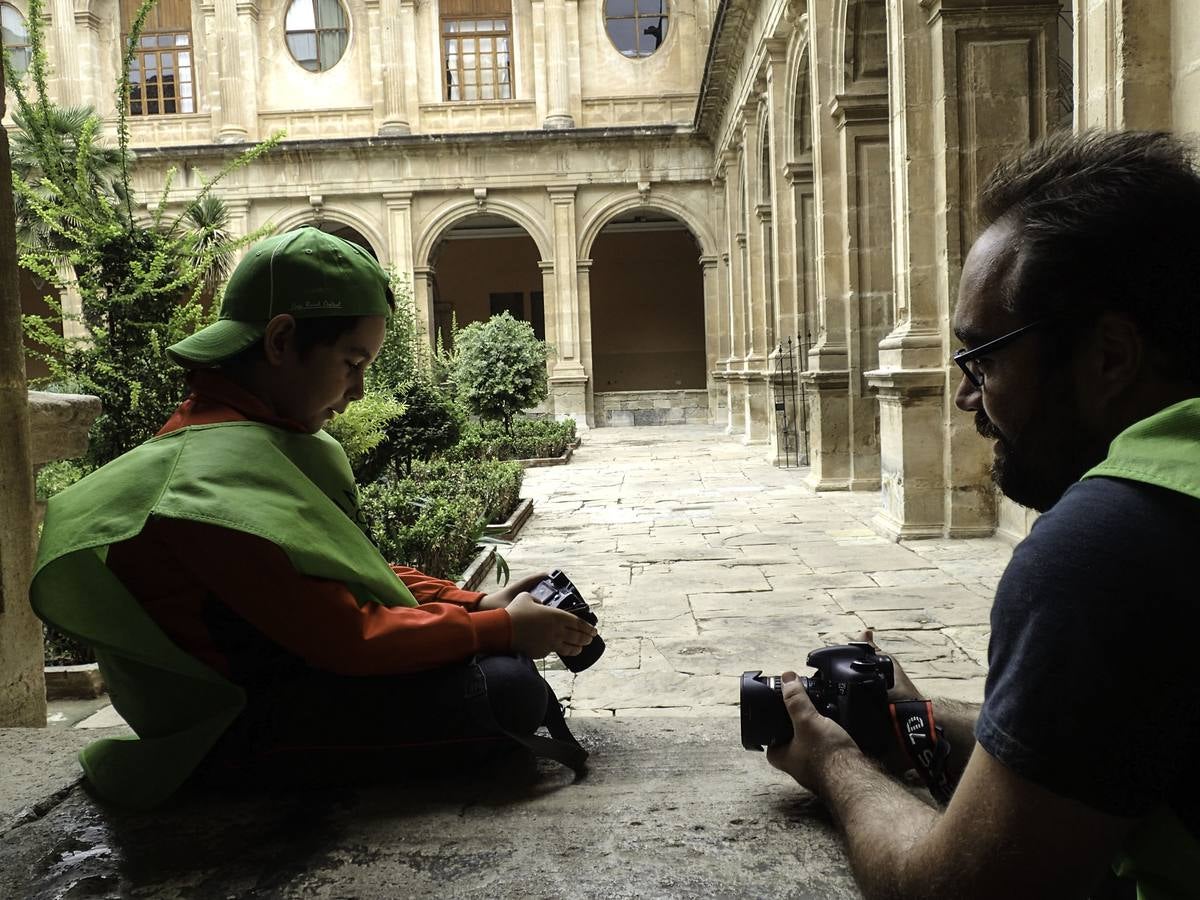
{"x": 59, "y": 425}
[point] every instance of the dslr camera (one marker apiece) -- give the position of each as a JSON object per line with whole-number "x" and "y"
{"x": 850, "y": 687}
{"x": 558, "y": 592}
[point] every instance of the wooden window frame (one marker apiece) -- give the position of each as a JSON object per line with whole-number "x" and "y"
{"x": 167, "y": 32}
{"x": 455, "y": 70}
{"x": 14, "y": 49}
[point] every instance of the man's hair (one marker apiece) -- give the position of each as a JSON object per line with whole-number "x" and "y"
{"x": 1106, "y": 222}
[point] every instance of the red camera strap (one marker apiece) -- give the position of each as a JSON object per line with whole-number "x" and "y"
{"x": 924, "y": 743}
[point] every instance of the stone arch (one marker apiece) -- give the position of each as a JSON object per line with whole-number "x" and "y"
{"x": 610, "y": 209}
{"x": 341, "y": 216}
{"x": 799, "y": 101}
{"x": 448, "y": 215}
{"x": 860, "y": 46}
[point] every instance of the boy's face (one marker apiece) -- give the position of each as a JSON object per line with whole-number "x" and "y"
{"x": 310, "y": 388}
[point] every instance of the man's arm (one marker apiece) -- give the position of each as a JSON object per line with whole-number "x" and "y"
{"x": 1001, "y": 836}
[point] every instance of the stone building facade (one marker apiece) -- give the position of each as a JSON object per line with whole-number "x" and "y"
{"x": 748, "y": 212}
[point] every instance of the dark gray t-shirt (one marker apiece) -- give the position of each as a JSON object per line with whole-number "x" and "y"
{"x": 1094, "y": 684}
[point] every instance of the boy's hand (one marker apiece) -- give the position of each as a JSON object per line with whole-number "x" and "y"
{"x": 538, "y": 630}
{"x": 501, "y": 598}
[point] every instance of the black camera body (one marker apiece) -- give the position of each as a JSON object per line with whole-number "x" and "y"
{"x": 558, "y": 592}
{"x": 850, "y": 687}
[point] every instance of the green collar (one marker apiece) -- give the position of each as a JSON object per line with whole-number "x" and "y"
{"x": 1163, "y": 449}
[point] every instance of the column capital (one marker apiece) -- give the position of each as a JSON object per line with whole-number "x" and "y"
{"x": 249, "y": 8}
{"x": 237, "y": 206}
{"x": 546, "y": 266}
{"x": 398, "y": 199}
{"x": 798, "y": 171}
{"x": 583, "y": 265}
{"x": 87, "y": 19}
{"x": 708, "y": 263}
{"x": 562, "y": 193}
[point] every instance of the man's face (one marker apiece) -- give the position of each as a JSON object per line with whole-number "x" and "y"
{"x": 328, "y": 377}
{"x": 1029, "y": 404}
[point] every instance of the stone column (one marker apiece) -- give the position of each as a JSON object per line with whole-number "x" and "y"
{"x": 711, "y": 277}
{"x": 391, "y": 39}
{"x": 66, "y": 52}
{"x": 232, "y": 122}
{"x": 734, "y": 266}
{"x": 408, "y": 40}
{"x": 973, "y": 81}
{"x": 568, "y": 379}
{"x": 91, "y": 76}
{"x": 422, "y": 288}
{"x": 248, "y": 71}
{"x": 1123, "y": 64}
{"x": 826, "y": 379}
{"x": 399, "y": 232}
{"x": 755, "y": 302}
{"x": 558, "y": 82}
{"x": 583, "y": 290}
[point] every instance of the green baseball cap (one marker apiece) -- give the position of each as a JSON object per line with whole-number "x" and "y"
{"x": 305, "y": 273}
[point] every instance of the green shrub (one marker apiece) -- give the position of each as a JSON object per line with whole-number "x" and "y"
{"x": 499, "y": 368}
{"x": 61, "y": 650}
{"x": 527, "y": 439}
{"x": 433, "y": 531}
{"x": 431, "y": 422}
{"x": 433, "y": 519}
{"x": 58, "y": 476}
{"x": 361, "y": 429}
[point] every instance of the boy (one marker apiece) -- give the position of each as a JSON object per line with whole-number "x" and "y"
{"x": 243, "y": 621}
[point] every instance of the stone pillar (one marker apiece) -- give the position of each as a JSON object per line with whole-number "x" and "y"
{"x": 755, "y": 294}
{"x": 558, "y": 81}
{"x": 1123, "y": 64}
{"x": 399, "y": 233}
{"x": 232, "y": 122}
{"x": 973, "y": 82}
{"x": 568, "y": 379}
{"x": 91, "y": 76}
{"x": 583, "y": 290}
{"x": 248, "y": 70}
{"x": 422, "y": 288}
{"x": 66, "y": 53}
{"x": 711, "y": 277}
{"x": 391, "y": 40}
{"x": 408, "y": 40}
{"x": 826, "y": 380}
{"x": 733, "y": 324}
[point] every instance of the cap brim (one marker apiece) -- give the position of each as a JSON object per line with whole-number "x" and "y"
{"x": 219, "y": 341}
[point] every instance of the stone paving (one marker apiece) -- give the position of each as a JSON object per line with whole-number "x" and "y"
{"x": 703, "y": 560}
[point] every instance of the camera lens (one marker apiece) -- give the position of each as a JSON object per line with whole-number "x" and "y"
{"x": 765, "y": 720}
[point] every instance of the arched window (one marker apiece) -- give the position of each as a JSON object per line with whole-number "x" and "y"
{"x": 161, "y": 72}
{"x": 636, "y": 27}
{"x": 317, "y": 32}
{"x": 16, "y": 37}
{"x": 802, "y": 138}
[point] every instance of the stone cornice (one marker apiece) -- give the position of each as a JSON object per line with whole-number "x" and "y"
{"x": 726, "y": 47}
{"x": 854, "y": 108}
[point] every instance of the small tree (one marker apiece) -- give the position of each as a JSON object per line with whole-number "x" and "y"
{"x": 140, "y": 283}
{"x": 499, "y": 367}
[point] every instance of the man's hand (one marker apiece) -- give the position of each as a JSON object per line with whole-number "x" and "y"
{"x": 817, "y": 740}
{"x": 903, "y": 688}
{"x": 538, "y": 630}
{"x": 507, "y": 594}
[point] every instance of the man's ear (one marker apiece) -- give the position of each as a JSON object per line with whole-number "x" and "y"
{"x": 1118, "y": 357}
{"x": 279, "y": 339}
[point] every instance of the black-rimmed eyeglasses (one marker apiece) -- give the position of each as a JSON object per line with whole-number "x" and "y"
{"x": 968, "y": 360}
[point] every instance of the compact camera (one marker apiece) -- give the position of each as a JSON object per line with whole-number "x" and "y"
{"x": 850, "y": 687}
{"x": 558, "y": 592}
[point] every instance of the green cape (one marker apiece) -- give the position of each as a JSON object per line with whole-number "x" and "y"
{"x": 294, "y": 490}
{"x": 1163, "y": 450}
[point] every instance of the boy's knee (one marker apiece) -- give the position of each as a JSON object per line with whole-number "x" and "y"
{"x": 516, "y": 692}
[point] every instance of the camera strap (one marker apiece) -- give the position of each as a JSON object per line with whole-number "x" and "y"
{"x": 561, "y": 746}
{"x": 924, "y": 743}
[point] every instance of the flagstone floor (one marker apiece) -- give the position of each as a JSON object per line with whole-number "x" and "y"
{"x": 703, "y": 560}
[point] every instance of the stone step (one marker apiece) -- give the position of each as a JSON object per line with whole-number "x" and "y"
{"x": 670, "y": 808}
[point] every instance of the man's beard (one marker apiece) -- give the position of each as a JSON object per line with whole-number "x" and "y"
{"x": 1036, "y": 469}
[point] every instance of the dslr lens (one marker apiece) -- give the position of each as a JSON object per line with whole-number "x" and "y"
{"x": 765, "y": 720}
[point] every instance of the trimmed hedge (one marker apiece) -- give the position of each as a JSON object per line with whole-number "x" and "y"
{"x": 528, "y": 439}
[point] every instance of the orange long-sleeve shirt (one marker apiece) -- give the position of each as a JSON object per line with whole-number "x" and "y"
{"x": 177, "y": 568}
